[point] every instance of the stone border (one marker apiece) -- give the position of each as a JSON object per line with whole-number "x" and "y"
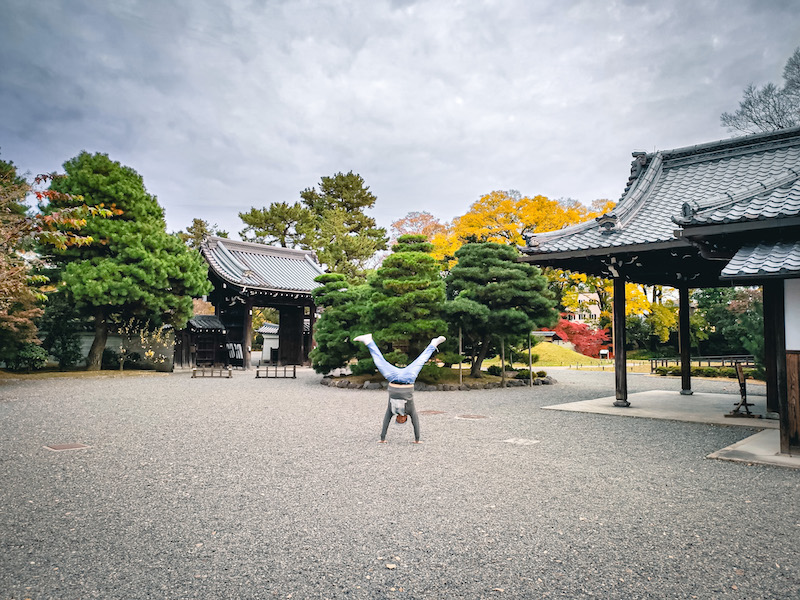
{"x": 441, "y": 387}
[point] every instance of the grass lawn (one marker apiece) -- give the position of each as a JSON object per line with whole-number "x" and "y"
{"x": 48, "y": 374}
{"x": 552, "y": 355}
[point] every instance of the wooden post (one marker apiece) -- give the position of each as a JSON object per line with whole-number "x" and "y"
{"x": 792, "y": 428}
{"x": 247, "y": 333}
{"x": 684, "y": 340}
{"x": 530, "y": 361}
{"x": 788, "y": 409}
{"x": 502, "y": 363}
{"x": 772, "y": 320}
{"x": 620, "y": 364}
{"x": 460, "y": 363}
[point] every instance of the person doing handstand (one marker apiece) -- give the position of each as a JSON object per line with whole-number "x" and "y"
{"x": 401, "y": 383}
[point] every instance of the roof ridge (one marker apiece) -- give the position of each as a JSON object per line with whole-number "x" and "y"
{"x": 632, "y": 202}
{"x": 724, "y": 199}
{"x": 753, "y": 140}
{"x": 258, "y": 247}
{"x": 617, "y": 217}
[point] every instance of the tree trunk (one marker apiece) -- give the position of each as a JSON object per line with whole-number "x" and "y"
{"x": 502, "y": 363}
{"x": 475, "y": 371}
{"x": 95, "y": 359}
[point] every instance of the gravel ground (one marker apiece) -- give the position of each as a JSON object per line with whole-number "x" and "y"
{"x": 254, "y": 488}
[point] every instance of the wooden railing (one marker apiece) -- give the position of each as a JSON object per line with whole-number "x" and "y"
{"x": 746, "y": 360}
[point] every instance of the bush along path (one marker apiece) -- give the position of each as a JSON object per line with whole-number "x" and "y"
{"x": 513, "y": 379}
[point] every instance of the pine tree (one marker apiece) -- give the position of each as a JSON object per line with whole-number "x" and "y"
{"x": 494, "y": 295}
{"x": 341, "y": 313}
{"x": 137, "y": 269}
{"x": 407, "y": 296}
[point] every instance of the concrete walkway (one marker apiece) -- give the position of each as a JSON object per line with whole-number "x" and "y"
{"x": 762, "y": 448}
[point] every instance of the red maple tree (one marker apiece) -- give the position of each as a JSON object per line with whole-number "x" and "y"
{"x": 587, "y": 341}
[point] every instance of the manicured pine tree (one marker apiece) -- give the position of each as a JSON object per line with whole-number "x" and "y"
{"x": 341, "y": 312}
{"x": 494, "y": 295}
{"x": 407, "y": 295}
{"x": 136, "y": 269}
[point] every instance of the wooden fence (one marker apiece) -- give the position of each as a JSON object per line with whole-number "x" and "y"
{"x": 747, "y": 360}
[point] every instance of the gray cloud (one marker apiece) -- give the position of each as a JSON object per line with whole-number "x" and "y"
{"x": 223, "y": 106}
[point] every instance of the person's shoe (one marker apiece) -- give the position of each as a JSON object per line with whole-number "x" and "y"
{"x": 381, "y": 441}
{"x": 364, "y": 339}
{"x": 436, "y": 341}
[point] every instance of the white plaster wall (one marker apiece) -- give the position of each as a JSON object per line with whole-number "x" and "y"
{"x": 792, "y": 310}
{"x": 270, "y": 342}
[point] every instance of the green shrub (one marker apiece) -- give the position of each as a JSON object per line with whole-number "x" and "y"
{"x": 450, "y": 358}
{"x": 67, "y": 350}
{"x": 30, "y": 357}
{"x": 110, "y": 359}
{"x": 729, "y": 372}
{"x": 523, "y": 374}
{"x": 494, "y": 370}
{"x": 396, "y": 357}
{"x": 541, "y": 373}
{"x": 365, "y": 366}
{"x": 430, "y": 374}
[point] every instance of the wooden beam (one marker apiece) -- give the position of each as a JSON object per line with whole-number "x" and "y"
{"x": 247, "y": 333}
{"x": 620, "y": 362}
{"x": 774, "y": 301}
{"x": 771, "y": 322}
{"x": 684, "y": 340}
{"x": 793, "y": 397}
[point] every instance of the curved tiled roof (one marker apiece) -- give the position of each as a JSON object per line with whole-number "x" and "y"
{"x": 778, "y": 198}
{"x": 268, "y": 328}
{"x": 261, "y": 267}
{"x": 765, "y": 259}
{"x": 206, "y": 323}
{"x": 729, "y": 179}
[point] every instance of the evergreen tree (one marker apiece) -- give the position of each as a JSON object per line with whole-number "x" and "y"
{"x": 279, "y": 223}
{"x": 494, "y": 295}
{"x": 407, "y": 295}
{"x": 61, "y": 325}
{"x": 194, "y": 234}
{"x": 341, "y": 313}
{"x": 137, "y": 269}
{"x": 343, "y": 237}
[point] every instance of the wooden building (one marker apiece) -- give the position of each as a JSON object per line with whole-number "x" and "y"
{"x": 711, "y": 215}
{"x": 248, "y": 275}
{"x": 201, "y": 343}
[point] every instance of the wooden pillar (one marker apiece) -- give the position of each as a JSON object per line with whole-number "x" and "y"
{"x": 620, "y": 362}
{"x": 247, "y": 333}
{"x": 775, "y": 335}
{"x": 684, "y": 340}
{"x": 791, "y": 432}
{"x": 772, "y": 320}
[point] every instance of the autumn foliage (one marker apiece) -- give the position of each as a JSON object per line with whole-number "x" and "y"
{"x": 503, "y": 217}
{"x": 587, "y": 341}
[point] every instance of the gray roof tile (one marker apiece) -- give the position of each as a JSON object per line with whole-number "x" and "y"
{"x": 776, "y": 199}
{"x": 206, "y": 323}
{"x": 702, "y": 178}
{"x": 773, "y": 258}
{"x": 261, "y": 267}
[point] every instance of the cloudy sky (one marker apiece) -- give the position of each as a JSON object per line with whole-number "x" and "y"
{"x": 222, "y": 105}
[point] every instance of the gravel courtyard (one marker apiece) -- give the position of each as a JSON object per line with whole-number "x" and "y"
{"x": 254, "y": 488}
